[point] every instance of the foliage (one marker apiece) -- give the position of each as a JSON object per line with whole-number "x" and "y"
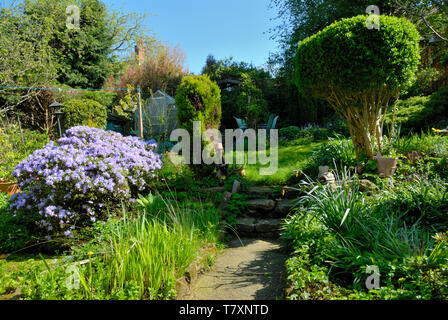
{"x": 15, "y": 145}
{"x": 25, "y": 56}
{"x": 251, "y": 104}
{"x": 139, "y": 256}
{"x": 84, "y": 112}
{"x": 336, "y": 151}
{"x": 421, "y": 113}
{"x": 379, "y": 65}
{"x": 106, "y": 98}
{"x": 162, "y": 69}
{"x": 85, "y": 55}
{"x": 408, "y": 114}
{"x": 337, "y": 232}
{"x": 128, "y": 104}
{"x": 198, "y": 99}
{"x": 70, "y": 184}
{"x": 251, "y": 99}
{"x": 289, "y": 133}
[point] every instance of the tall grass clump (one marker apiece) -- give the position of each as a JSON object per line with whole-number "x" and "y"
{"x": 141, "y": 255}
{"x": 357, "y": 231}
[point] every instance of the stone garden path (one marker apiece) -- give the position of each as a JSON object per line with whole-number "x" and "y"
{"x": 250, "y": 269}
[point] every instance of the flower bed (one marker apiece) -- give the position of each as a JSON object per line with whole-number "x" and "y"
{"x": 72, "y": 182}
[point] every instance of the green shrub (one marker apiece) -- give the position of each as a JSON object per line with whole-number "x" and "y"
{"x": 408, "y": 114}
{"x": 425, "y": 143}
{"x": 84, "y": 112}
{"x": 3, "y": 202}
{"x": 358, "y": 232}
{"x": 337, "y": 151}
{"x": 421, "y": 113}
{"x": 105, "y": 98}
{"x": 199, "y": 99}
{"x": 289, "y": 133}
{"x": 358, "y": 71}
{"x": 16, "y": 144}
{"x": 437, "y": 109}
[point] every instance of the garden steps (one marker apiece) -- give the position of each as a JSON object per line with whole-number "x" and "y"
{"x": 259, "y": 228}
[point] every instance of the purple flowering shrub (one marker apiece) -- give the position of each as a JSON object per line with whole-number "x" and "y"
{"x": 70, "y": 183}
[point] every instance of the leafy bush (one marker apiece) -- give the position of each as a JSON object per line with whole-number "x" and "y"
{"x": 437, "y": 107}
{"x": 425, "y": 143}
{"x": 70, "y": 184}
{"x": 356, "y": 232}
{"x": 337, "y": 151}
{"x": 421, "y": 113}
{"x": 15, "y": 145}
{"x": 84, "y": 112}
{"x": 408, "y": 114}
{"x": 289, "y": 133}
{"x": 350, "y": 66}
{"x": 199, "y": 99}
{"x": 337, "y": 126}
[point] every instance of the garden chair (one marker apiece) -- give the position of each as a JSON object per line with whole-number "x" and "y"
{"x": 274, "y": 123}
{"x": 241, "y": 123}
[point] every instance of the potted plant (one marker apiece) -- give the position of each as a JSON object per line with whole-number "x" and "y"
{"x": 386, "y": 166}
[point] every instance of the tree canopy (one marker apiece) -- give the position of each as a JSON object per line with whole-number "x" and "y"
{"x": 359, "y": 71}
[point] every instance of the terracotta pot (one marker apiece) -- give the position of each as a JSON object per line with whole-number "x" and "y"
{"x": 386, "y": 166}
{"x": 9, "y": 187}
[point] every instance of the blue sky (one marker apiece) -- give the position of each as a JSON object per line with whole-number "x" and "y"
{"x": 237, "y": 28}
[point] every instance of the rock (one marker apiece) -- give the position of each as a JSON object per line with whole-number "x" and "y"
{"x": 246, "y": 224}
{"x": 236, "y": 188}
{"x": 226, "y": 196}
{"x": 267, "y": 191}
{"x": 325, "y": 176}
{"x": 268, "y": 225}
{"x": 284, "y": 206}
{"x": 261, "y": 204}
{"x": 366, "y": 185}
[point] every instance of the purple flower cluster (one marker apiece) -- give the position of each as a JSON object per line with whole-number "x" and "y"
{"x": 71, "y": 181}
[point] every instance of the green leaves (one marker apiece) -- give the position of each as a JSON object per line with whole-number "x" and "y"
{"x": 351, "y": 58}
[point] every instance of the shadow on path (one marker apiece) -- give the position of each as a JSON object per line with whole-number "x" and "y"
{"x": 253, "y": 271}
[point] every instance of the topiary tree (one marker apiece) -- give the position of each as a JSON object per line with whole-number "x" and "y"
{"x": 360, "y": 72}
{"x": 84, "y": 112}
{"x": 199, "y": 99}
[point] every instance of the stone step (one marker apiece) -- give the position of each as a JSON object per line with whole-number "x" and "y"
{"x": 259, "y": 228}
{"x": 261, "y": 191}
{"x": 267, "y": 208}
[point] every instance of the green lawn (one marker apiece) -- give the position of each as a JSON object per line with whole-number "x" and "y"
{"x": 290, "y": 159}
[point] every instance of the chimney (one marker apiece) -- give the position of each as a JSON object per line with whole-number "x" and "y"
{"x": 140, "y": 52}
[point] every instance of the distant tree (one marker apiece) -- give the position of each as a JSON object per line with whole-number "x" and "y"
{"x": 248, "y": 100}
{"x": 162, "y": 69}
{"x": 26, "y": 57}
{"x": 85, "y": 55}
